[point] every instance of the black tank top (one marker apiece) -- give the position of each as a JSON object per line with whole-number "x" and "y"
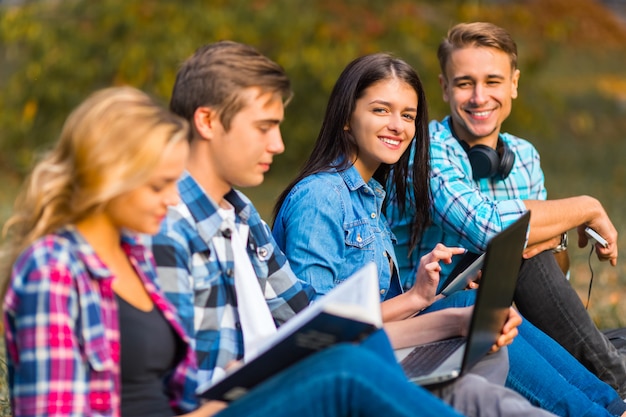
{"x": 150, "y": 350}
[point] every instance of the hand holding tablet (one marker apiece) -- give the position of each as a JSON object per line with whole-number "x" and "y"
{"x": 464, "y": 273}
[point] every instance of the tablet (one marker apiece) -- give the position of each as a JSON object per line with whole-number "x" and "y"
{"x": 464, "y": 273}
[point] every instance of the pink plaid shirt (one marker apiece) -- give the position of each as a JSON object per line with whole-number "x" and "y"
{"x": 62, "y": 334}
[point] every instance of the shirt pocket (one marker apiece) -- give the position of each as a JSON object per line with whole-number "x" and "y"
{"x": 207, "y": 271}
{"x": 359, "y": 234}
{"x": 98, "y": 355}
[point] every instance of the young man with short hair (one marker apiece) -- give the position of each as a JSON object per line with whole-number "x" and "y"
{"x": 483, "y": 179}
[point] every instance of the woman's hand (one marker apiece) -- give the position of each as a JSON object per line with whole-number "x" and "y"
{"x": 207, "y": 409}
{"x": 427, "y": 277}
{"x": 509, "y": 330}
{"x": 431, "y": 327}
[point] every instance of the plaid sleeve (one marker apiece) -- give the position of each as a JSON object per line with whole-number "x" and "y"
{"x": 174, "y": 277}
{"x": 459, "y": 206}
{"x": 290, "y": 295}
{"x": 536, "y": 188}
{"x": 172, "y": 248}
{"x": 49, "y": 375}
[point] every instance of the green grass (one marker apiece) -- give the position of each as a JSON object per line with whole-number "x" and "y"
{"x": 5, "y": 406}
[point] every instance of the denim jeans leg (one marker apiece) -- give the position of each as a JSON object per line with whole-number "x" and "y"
{"x": 547, "y": 300}
{"x": 572, "y": 370}
{"x": 344, "y": 380}
{"x": 546, "y": 374}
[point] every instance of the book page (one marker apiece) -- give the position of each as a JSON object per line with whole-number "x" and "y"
{"x": 348, "y": 313}
{"x": 356, "y": 298}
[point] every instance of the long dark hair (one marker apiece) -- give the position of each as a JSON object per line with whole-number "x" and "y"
{"x": 409, "y": 177}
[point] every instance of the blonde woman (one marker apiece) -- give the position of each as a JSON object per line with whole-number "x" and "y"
{"x": 87, "y": 330}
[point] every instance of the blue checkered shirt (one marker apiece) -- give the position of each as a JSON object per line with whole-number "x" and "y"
{"x": 467, "y": 212}
{"x": 201, "y": 285}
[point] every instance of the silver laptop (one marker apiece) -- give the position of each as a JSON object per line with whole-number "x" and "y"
{"x": 442, "y": 361}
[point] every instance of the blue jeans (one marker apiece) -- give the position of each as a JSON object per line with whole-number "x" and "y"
{"x": 344, "y": 380}
{"x": 546, "y": 374}
{"x": 545, "y": 297}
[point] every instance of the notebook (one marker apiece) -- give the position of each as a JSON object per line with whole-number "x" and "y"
{"x": 447, "y": 359}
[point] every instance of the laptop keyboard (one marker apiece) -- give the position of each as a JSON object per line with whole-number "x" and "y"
{"x": 425, "y": 358}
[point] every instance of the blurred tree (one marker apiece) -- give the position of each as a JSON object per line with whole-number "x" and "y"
{"x": 54, "y": 52}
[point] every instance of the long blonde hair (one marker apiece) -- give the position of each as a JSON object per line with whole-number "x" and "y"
{"x": 109, "y": 145}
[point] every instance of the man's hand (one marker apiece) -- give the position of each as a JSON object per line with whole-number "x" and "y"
{"x": 562, "y": 257}
{"x": 509, "y": 330}
{"x": 606, "y": 229}
{"x": 539, "y": 247}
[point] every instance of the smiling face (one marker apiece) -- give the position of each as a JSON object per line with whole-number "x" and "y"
{"x": 144, "y": 208}
{"x": 479, "y": 84}
{"x": 383, "y": 124}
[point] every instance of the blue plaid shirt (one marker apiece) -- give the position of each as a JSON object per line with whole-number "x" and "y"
{"x": 201, "y": 285}
{"x": 467, "y": 212}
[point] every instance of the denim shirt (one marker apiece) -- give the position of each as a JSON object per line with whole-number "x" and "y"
{"x": 330, "y": 225}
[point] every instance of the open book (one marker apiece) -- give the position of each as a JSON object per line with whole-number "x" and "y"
{"x": 348, "y": 313}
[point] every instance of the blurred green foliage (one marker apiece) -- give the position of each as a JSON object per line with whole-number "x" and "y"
{"x": 53, "y": 53}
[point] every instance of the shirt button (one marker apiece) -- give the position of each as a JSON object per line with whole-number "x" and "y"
{"x": 262, "y": 253}
{"x": 229, "y": 272}
{"x": 359, "y": 238}
{"x": 373, "y": 215}
{"x": 382, "y": 292}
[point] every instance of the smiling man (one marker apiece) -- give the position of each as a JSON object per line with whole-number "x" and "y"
{"x": 483, "y": 179}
